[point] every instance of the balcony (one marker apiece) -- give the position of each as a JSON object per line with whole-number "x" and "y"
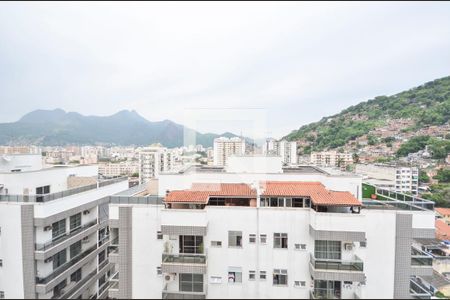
{"x": 421, "y": 263}
{"x": 168, "y": 294}
{"x": 337, "y": 226}
{"x": 184, "y": 263}
{"x": 334, "y": 269}
{"x": 52, "y": 243}
{"x": 324, "y": 294}
{"x": 417, "y": 290}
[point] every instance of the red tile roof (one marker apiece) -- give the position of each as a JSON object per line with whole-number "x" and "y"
{"x": 315, "y": 190}
{"x": 442, "y": 230}
{"x": 200, "y": 192}
{"x": 443, "y": 211}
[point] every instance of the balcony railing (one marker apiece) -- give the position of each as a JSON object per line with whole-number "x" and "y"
{"x": 184, "y": 258}
{"x": 324, "y": 294}
{"x": 420, "y": 258}
{"x": 59, "y": 195}
{"x": 355, "y": 265}
{"x": 64, "y": 267}
{"x": 103, "y": 288}
{"x": 417, "y": 290}
{"x": 184, "y": 294}
{"x": 51, "y": 243}
{"x": 79, "y": 284}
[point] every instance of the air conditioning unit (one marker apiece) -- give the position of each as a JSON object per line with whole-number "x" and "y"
{"x": 85, "y": 240}
{"x": 86, "y": 212}
{"x": 169, "y": 277}
{"x": 48, "y": 259}
{"x": 348, "y": 246}
{"x": 47, "y": 228}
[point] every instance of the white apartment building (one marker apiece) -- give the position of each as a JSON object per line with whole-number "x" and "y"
{"x": 287, "y": 150}
{"x": 152, "y": 161}
{"x": 289, "y": 233}
{"x": 331, "y": 159}
{"x": 395, "y": 178}
{"x": 115, "y": 169}
{"x": 225, "y": 147}
{"x": 54, "y": 233}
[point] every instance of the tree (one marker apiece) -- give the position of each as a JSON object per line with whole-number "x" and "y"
{"x": 355, "y": 157}
{"x": 443, "y": 175}
{"x": 413, "y": 145}
{"x": 423, "y": 177}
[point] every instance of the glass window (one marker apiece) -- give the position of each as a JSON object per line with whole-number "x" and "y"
{"x": 327, "y": 249}
{"x": 59, "y": 258}
{"x": 252, "y": 238}
{"x": 76, "y": 276}
{"x": 263, "y": 238}
{"x": 297, "y": 202}
{"x": 75, "y": 221}
{"x": 158, "y": 271}
{"x": 279, "y": 277}
{"x": 262, "y": 275}
{"x": 251, "y": 275}
{"x": 57, "y": 290}
{"x": 191, "y": 282}
{"x": 191, "y": 244}
{"x": 58, "y": 229}
{"x": 75, "y": 249}
{"x": 101, "y": 257}
{"x": 234, "y": 276}
{"x": 280, "y": 240}
{"x": 234, "y": 238}
{"x": 216, "y": 243}
{"x": 159, "y": 235}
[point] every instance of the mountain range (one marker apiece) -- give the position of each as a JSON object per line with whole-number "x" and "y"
{"x": 424, "y": 105}
{"x": 57, "y": 127}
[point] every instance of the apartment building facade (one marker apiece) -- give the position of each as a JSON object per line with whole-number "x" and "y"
{"x": 114, "y": 169}
{"x": 287, "y": 150}
{"x": 332, "y": 159}
{"x": 286, "y": 234}
{"x": 395, "y": 178}
{"x": 226, "y": 147}
{"x": 54, "y": 233}
{"x": 152, "y": 161}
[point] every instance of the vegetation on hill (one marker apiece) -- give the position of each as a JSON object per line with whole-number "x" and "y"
{"x": 440, "y": 192}
{"x": 428, "y": 104}
{"x": 438, "y": 148}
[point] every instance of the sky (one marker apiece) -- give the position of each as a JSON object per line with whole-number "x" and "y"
{"x": 260, "y": 69}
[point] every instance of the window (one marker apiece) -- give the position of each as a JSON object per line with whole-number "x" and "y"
{"x": 262, "y": 275}
{"x": 159, "y": 235}
{"x": 158, "y": 271}
{"x": 363, "y": 244}
{"x": 279, "y": 277}
{"x": 215, "y": 279}
{"x": 1, "y": 262}
{"x": 75, "y": 249}
{"x": 101, "y": 257}
{"x": 59, "y": 259}
{"x": 297, "y": 202}
{"x": 252, "y": 238}
{"x": 299, "y": 284}
{"x": 327, "y": 249}
{"x": 348, "y": 282}
{"x": 263, "y": 238}
{"x": 191, "y": 244}
{"x": 2, "y": 295}
{"x": 58, "y": 229}
{"x": 191, "y": 282}
{"x": 234, "y": 238}
{"x": 76, "y": 276}
{"x": 251, "y": 275}
{"x": 234, "y": 275}
{"x": 75, "y": 222}
{"x": 57, "y": 290}
{"x": 42, "y": 191}
{"x": 280, "y": 240}
{"x": 216, "y": 244}
{"x": 300, "y": 246}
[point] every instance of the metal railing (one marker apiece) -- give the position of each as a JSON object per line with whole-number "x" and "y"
{"x": 355, "y": 265}
{"x": 103, "y": 240}
{"x": 59, "y": 195}
{"x": 53, "y": 242}
{"x": 420, "y": 258}
{"x": 417, "y": 290}
{"x": 103, "y": 288}
{"x": 58, "y": 271}
{"x": 184, "y": 294}
{"x": 324, "y": 294}
{"x": 79, "y": 284}
{"x": 155, "y": 200}
{"x": 184, "y": 258}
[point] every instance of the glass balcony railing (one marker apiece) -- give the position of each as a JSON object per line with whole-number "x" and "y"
{"x": 200, "y": 294}
{"x": 58, "y": 271}
{"x": 59, "y": 195}
{"x": 324, "y": 294}
{"x": 417, "y": 290}
{"x": 184, "y": 258}
{"x": 355, "y": 265}
{"x": 51, "y": 243}
{"x": 78, "y": 285}
{"x": 420, "y": 258}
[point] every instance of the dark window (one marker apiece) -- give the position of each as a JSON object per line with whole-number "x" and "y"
{"x": 76, "y": 276}
{"x": 191, "y": 282}
{"x": 59, "y": 259}
{"x": 101, "y": 257}
{"x": 75, "y": 249}
{"x": 191, "y": 244}
{"x": 327, "y": 249}
{"x": 234, "y": 238}
{"x": 75, "y": 221}
{"x": 279, "y": 277}
{"x": 58, "y": 229}
{"x": 57, "y": 290}
{"x": 280, "y": 240}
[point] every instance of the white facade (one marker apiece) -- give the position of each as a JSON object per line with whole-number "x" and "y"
{"x": 53, "y": 240}
{"x": 20, "y": 162}
{"x": 152, "y": 161}
{"x": 287, "y": 150}
{"x": 225, "y": 147}
{"x": 114, "y": 169}
{"x": 331, "y": 159}
{"x": 400, "y": 179}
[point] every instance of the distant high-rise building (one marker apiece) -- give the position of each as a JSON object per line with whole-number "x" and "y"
{"x": 331, "y": 159}
{"x": 287, "y": 150}
{"x": 225, "y": 147}
{"x": 152, "y": 161}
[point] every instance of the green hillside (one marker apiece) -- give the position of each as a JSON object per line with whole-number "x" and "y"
{"x": 428, "y": 104}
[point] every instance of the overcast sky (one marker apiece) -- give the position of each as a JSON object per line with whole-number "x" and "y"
{"x": 290, "y": 63}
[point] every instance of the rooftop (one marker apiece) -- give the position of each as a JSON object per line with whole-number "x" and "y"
{"x": 445, "y": 212}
